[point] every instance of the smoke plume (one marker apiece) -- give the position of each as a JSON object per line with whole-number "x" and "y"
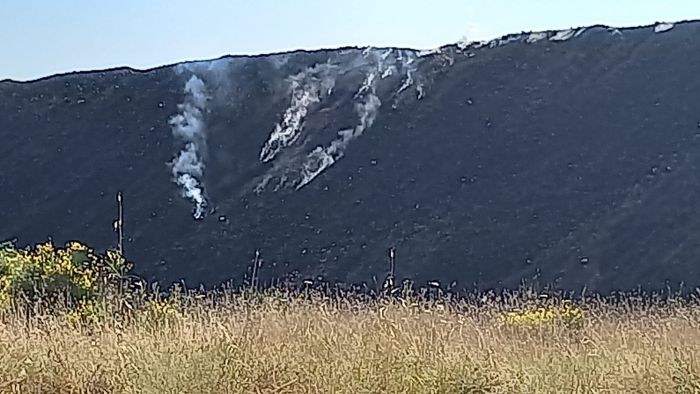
{"x": 188, "y": 126}
{"x": 366, "y": 108}
{"x": 384, "y": 70}
{"x": 307, "y": 88}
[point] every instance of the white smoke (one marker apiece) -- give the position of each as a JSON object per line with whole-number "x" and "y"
{"x": 407, "y": 82}
{"x": 215, "y": 69}
{"x": 307, "y": 88}
{"x": 295, "y": 166}
{"x": 403, "y": 62}
{"x": 429, "y": 52}
{"x": 279, "y": 60}
{"x": 463, "y": 43}
{"x": 563, "y": 35}
{"x": 188, "y": 125}
{"x": 366, "y": 109}
{"x": 408, "y": 62}
{"x": 663, "y": 27}
{"x": 505, "y": 40}
{"x": 535, "y": 37}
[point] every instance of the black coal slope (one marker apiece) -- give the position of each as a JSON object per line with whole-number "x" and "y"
{"x": 569, "y": 157}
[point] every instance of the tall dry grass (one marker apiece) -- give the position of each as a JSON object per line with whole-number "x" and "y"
{"x": 277, "y": 343}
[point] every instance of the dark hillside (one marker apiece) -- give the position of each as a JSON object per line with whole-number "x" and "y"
{"x": 572, "y": 158}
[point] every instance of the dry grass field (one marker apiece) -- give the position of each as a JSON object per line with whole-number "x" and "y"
{"x": 280, "y": 343}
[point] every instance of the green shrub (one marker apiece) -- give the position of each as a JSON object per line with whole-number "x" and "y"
{"x": 45, "y": 273}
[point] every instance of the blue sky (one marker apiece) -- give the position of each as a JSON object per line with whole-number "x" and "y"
{"x": 43, "y": 37}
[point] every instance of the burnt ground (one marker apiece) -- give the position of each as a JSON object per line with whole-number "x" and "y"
{"x": 574, "y": 162}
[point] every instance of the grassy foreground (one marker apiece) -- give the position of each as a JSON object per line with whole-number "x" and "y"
{"x": 280, "y": 343}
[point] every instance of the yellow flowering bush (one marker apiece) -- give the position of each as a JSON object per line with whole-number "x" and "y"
{"x": 45, "y": 272}
{"x": 86, "y": 311}
{"x": 160, "y": 312}
{"x": 565, "y": 315}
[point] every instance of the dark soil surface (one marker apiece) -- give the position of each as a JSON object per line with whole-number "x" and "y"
{"x": 573, "y": 162}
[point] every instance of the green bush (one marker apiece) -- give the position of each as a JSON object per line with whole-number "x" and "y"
{"x": 45, "y": 273}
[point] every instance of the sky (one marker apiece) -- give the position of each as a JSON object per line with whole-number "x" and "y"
{"x": 45, "y": 37}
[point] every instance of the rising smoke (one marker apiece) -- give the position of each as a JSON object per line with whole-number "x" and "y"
{"x": 321, "y": 158}
{"x": 312, "y": 86}
{"x": 367, "y": 106}
{"x": 188, "y": 125}
{"x": 306, "y": 88}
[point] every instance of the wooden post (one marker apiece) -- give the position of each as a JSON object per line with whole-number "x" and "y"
{"x": 120, "y": 224}
{"x": 256, "y": 262}
{"x": 392, "y": 261}
{"x": 388, "y": 285}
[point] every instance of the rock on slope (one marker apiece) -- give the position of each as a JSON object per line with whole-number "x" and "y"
{"x": 570, "y": 157}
